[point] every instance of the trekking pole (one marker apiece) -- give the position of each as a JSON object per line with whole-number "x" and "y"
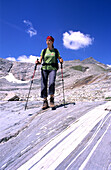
{"x": 31, "y": 84}
{"x": 63, "y": 84}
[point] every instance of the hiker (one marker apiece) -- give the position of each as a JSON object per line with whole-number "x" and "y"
{"x": 50, "y": 57}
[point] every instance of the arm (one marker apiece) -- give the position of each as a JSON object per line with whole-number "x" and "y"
{"x": 60, "y": 59}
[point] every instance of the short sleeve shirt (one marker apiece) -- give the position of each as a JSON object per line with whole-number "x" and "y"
{"x": 49, "y": 58}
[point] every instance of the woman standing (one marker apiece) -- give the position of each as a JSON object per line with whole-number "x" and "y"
{"x": 49, "y": 56}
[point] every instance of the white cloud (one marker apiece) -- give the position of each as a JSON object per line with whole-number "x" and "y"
{"x": 31, "y": 31}
{"x": 11, "y": 59}
{"x": 76, "y": 40}
{"x": 24, "y": 58}
{"x": 30, "y": 59}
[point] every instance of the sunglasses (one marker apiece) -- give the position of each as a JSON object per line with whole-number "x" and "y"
{"x": 49, "y": 40}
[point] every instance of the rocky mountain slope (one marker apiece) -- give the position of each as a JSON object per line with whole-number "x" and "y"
{"x": 86, "y": 80}
{"x": 73, "y": 131}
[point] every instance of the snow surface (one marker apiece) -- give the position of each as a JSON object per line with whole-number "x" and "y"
{"x": 10, "y": 77}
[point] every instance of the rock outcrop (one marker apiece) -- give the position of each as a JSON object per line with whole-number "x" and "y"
{"x": 5, "y": 67}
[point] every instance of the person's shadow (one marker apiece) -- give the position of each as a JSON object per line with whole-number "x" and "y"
{"x": 63, "y": 105}
{"x": 54, "y": 108}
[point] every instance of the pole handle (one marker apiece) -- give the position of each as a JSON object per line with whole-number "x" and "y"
{"x": 36, "y": 64}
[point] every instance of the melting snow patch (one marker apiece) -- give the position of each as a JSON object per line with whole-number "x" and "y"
{"x": 10, "y": 77}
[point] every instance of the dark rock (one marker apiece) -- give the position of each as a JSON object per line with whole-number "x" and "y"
{"x": 15, "y": 98}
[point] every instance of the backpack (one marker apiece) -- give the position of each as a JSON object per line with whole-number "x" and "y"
{"x": 53, "y": 64}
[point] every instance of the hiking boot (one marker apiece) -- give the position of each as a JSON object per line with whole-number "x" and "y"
{"x": 52, "y": 102}
{"x": 45, "y": 105}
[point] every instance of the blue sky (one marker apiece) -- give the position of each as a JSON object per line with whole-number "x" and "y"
{"x": 81, "y": 28}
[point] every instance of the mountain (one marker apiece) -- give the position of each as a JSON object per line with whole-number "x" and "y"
{"x": 90, "y": 60}
{"x": 69, "y": 133}
{"x": 5, "y": 67}
{"x": 84, "y": 80}
{"x": 21, "y": 71}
